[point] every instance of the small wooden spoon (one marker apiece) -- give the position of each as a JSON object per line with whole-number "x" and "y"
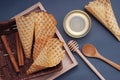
{"x": 90, "y": 51}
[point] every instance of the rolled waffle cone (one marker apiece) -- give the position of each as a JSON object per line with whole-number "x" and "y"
{"x": 50, "y": 56}
{"x": 45, "y": 28}
{"x": 45, "y": 21}
{"x": 102, "y": 10}
{"x": 25, "y": 25}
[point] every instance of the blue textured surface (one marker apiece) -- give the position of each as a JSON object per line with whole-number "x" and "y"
{"x": 99, "y": 36}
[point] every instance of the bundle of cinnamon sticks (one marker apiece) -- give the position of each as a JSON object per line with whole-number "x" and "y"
{"x": 3, "y": 26}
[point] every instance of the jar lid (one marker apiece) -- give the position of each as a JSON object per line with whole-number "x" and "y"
{"x": 77, "y": 23}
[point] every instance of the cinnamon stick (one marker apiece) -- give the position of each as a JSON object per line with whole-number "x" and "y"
{"x": 12, "y": 58}
{"x": 19, "y": 50}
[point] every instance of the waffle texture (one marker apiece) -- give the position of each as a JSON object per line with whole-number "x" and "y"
{"x": 50, "y": 56}
{"x": 102, "y": 10}
{"x": 45, "y": 28}
{"x": 47, "y": 51}
{"x": 39, "y": 25}
{"x": 25, "y": 25}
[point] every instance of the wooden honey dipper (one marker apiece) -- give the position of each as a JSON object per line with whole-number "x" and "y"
{"x": 75, "y": 48}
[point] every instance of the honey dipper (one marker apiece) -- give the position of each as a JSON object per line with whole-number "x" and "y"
{"x": 75, "y": 48}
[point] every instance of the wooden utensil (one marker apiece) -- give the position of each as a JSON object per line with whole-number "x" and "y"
{"x": 90, "y": 51}
{"x": 12, "y": 58}
{"x": 75, "y": 48}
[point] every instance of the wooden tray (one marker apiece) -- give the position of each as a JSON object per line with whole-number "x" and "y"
{"x": 68, "y": 61}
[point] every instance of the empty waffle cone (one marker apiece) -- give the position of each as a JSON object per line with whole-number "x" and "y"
{"x": 25, "y": 25}
{"x": 102, "y": 10}
{"x": 50, "y": 56}
{"x": 45, "y": 28}
{"x": 44, "y": 21}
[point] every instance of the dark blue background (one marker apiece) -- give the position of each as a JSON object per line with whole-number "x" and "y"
{"x": 99, "y": 36}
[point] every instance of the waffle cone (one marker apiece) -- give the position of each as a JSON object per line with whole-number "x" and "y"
{"x": 50, "y": 56}
{"x": 25, "y": 25}
{"x": 102, "y": 10}
{"x": 45, "y": 28}
{"x": 44, "y": 21}
{"x": 39, "y": 45}
{"x": 35, "y": 68}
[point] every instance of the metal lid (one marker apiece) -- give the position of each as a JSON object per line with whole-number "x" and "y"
{"x": 77, "y": 23}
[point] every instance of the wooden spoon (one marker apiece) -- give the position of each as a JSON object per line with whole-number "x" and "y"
{"x": 90, "y": 51}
